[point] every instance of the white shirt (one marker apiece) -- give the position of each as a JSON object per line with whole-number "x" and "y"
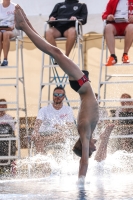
{"x": 50, "y": 117}
{"x": 7, "y": 15}
{"x": 122, "y": 9}
{"x": 4, "y": 120}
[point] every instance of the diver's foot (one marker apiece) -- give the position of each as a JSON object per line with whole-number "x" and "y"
{"x": 19, "y": 19}
{"x": 23, "y": 13}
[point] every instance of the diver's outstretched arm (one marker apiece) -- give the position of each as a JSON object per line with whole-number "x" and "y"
{"x": 101, "y": 152}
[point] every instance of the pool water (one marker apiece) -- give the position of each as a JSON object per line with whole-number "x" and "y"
{"x": 108, "y": 180}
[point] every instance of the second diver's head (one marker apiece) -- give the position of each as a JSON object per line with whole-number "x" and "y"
{"x": 125, "y": 96}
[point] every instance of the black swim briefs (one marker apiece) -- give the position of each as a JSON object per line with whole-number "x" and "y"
{"x": 62, "y": 28}
{"x": 76, "y": 85}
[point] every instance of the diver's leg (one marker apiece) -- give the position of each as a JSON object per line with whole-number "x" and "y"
{"x": 101, "y": 152}
{"x": 64, "y": 62}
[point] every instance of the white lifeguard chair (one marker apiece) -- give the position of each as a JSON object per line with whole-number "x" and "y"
{"x": 110, "y": 81}
{"x": 55, "y": 76}
{"x": 14, "y": 79}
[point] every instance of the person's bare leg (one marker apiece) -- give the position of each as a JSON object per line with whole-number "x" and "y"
{"x": 7, "y": 35}
{"x": 70, "y": 34}
{"x": 101, "y": 152}
{"x": 128, "y": 38}
{"x": 51, "y": 34}
{"x": 110, "y": 32}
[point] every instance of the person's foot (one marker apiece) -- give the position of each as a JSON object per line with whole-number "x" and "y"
{"x": 19, "y": 19}
{"x": 4, "y": 63}
{"x": 111, "y": 61}
{"x": 23, "y": 13}
{"x": 125, "y": 58}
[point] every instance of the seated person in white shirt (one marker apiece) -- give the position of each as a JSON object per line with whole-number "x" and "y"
{"x": 52, "y": 122}
{"x": 7, "y": 28}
